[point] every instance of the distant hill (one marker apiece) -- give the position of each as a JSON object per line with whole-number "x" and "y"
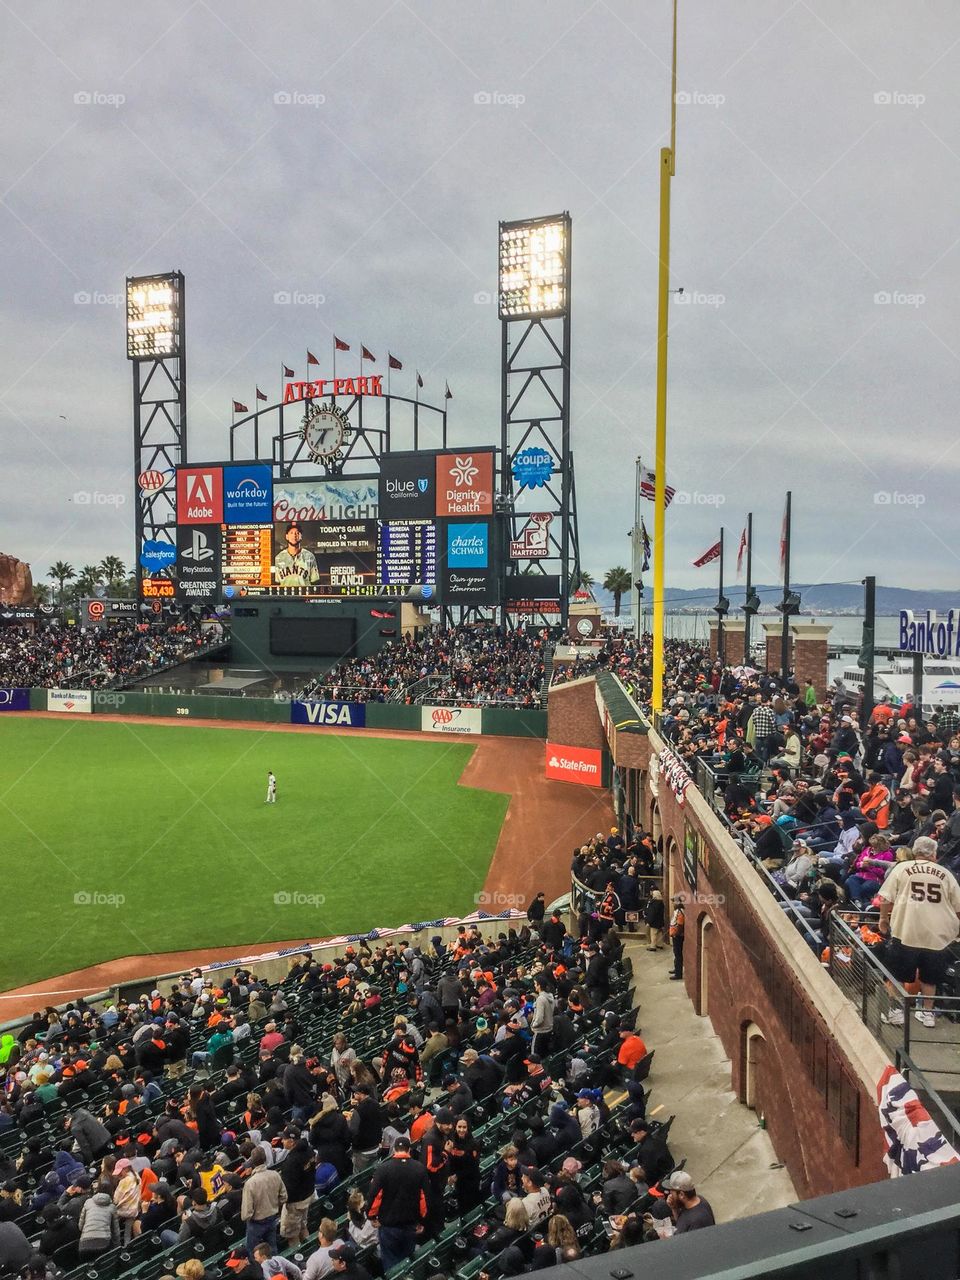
{"x": 834, "y": 597}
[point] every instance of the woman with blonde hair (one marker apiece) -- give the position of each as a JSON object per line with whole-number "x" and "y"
{"x": 562, "y": 1239}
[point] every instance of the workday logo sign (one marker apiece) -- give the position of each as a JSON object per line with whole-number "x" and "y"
{"x": 248, "y": 494}
{"x": 468, "y": 546}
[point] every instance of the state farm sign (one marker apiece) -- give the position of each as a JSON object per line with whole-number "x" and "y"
{"x": 574, "y": 764}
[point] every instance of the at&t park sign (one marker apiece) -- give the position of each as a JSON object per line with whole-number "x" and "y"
{"x": 294, "y": 391}
{"x": 930, "y": 635}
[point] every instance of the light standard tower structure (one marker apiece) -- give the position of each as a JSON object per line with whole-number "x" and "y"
{"x": 157, "y": 352}
{"x": 536, "y": 460}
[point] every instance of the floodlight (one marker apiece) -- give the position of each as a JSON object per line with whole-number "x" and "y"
{"x": 154, "y": 314}
{"x": 534, "y": 267}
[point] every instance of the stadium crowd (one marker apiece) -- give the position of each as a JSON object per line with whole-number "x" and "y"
{"x": 469, "y": 665}
{"x": 474, "y": 1107}
{"x": 93, "y": 657}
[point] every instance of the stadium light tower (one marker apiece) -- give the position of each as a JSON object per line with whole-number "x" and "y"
{"x": 157, "y": 351}
{"x": 535, "y": 458}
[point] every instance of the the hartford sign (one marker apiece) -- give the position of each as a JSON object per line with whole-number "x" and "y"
{"x": 936, "y": 637}
{"x": 574, "y": 764}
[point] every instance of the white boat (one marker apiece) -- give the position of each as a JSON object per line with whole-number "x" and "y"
{"x": 941, "y": 682}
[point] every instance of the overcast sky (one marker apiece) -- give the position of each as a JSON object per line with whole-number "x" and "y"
{"x": 815, "y": 233}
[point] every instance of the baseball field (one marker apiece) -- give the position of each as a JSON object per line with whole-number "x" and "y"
{"x": 135, "y": 838}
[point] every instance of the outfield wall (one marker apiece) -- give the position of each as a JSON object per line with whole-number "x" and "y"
{"x": 442, "y": 720}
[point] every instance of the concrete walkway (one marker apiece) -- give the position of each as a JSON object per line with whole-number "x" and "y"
{"x": 729, "y": 1155}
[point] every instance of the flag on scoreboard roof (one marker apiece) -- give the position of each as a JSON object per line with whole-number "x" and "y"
{"x": 288, "y": 373}
{"x": 711, "y": 553}
{"x": 448, "y": 394}
{"x": 339, "y": 344}
{"x": 239, "y": 408}
{"x": 419, "y": 379}
{"x": 260, "y": 395}
{"x": 648, "y": 487}
{"x": 367, "y": 355}
{"x": 742, "y": 549}
{"x": 311, "y": 358}
{"x": 393, "y": 362}
{"x": 783, "y": 538}
{"x": 914, "y": 1143}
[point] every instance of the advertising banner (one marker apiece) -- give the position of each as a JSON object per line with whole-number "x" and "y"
{"x": 71, "y": 700}
{"x": 465, "y": 483}
{"x": 248, "y": 493}
{"x": 352, "y": 715}
{"x": 14, "y": 699}
{"x": 97, "y": 611}
{"x": 456, "y": 720}
{"x": 200, "y": 495}
{"x": 574, "y": 764}
{"x": 407, "y": 487}
{"x": 198, "y": 563}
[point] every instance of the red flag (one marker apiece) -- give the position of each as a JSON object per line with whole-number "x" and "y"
{"x": 783, "y": 538}
{"x": 288, "y": 373}
{"x": 339, "y": 344}
{"x": 419, "y": 379}
{"x": 260, "y": 395}
{"x": 239, "y": 408}
{"x": 448, "y": 394}
{"x": 743, "y": 547}
{"x": 393, "y": 362}
{"x": 367, "y": 355}
{"x": 311, "y": 358}
{"x": 712, "y": 553}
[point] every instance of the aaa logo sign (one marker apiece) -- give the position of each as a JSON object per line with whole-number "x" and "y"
{"x": 574, "y": 764}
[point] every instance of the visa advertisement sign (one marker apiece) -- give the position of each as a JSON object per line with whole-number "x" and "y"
{"x": 248, "y": 494}
{"x": 336, "y": 715}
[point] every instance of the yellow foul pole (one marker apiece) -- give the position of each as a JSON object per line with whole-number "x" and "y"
{"x": 667, "y": 170}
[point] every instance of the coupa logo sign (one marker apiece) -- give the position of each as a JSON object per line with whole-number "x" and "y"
{"x": 351, "y": 715}
{"x": 248, "y": 494}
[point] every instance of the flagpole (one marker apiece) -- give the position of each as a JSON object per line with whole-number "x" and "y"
{"x": 721, "y": 639}
{"x": 637, "y": 540}
{"x": 785, "y": 631}
{"x": 747, "y": 613}
{"x": 333, "y": 388}
{"x": 667, "y": 170}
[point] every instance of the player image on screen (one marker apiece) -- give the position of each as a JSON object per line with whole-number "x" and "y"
{"x": 295, "y": 566}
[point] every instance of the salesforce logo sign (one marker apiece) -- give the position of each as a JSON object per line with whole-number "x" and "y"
{"x": 468, "y": 546}
{"x": 157, "y": 555}
{"x": 248, "y": 494}
{"x": 532, "y": 468}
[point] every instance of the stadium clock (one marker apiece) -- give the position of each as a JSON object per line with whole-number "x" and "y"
{"x": 326, "y": 432}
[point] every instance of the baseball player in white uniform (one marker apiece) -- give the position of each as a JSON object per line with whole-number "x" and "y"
{"x": 271, "y": 788}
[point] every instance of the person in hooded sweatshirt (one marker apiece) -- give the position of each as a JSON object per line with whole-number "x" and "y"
{"x": 565, "y": 1127}
{"x": 99, "y": 1225}
{"x": 90, "y": 1135}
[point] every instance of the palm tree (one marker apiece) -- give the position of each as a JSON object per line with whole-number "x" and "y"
{"x": 88, "y": 580}
{"x": 61, "y": 572}
{"x": 41, "y": 593}
{"x": 114, "y": 570}
{"x": 618, "y": 581}
{"x": 583, "y": 579}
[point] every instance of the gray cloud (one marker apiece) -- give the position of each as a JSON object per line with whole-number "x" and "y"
{"x": 817, "y": 169}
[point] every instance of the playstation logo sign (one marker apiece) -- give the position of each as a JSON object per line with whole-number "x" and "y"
{"x": 200, "y": 548}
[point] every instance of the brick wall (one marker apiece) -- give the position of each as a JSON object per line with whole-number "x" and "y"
{"x": 810, "y": 663}
{"x": 572, "y": 717}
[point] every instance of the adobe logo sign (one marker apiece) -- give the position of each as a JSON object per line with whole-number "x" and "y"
{"x": 574, "y": 764}
{"x": 200, "y": 495}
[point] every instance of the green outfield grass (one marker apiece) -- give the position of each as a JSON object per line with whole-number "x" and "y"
{"x": 172, "y": 820}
